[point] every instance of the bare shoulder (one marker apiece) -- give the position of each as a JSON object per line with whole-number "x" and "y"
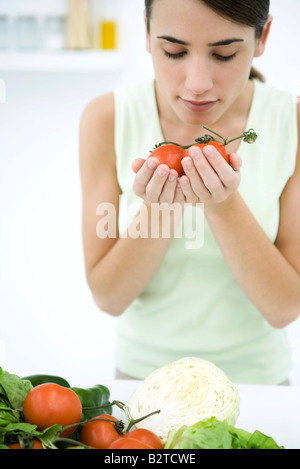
{"x": 96, "y": 130}
{"x": 99, "y": 182}
{"x": 97, "y": 158}
{"x": 99, "y": 108}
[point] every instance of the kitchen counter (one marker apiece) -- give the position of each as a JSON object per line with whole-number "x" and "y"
{"x": 273, "y": 410}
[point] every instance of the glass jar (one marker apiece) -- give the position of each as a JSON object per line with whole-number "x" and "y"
{"x": 27, "y": 32}
{"x": 4, "y": 32}
{"x": 54, "y": 32}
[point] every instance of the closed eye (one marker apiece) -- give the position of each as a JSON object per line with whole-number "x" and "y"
{"x": 224, "y": 58}
{"x": 221, "y": 58}
{"x": 175, "y": 56}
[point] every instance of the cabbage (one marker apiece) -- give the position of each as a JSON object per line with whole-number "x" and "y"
{"x": 185, "y": 391}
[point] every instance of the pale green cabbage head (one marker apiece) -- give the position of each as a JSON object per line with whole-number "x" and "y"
{"x": 185, "y": 391}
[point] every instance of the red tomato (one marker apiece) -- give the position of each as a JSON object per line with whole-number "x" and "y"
{"x": 171, "y": 155}
{"x": 146, "y": 436}
{"x": 99, "y": 434}
{"x": 49, "y": 404}
{"x": 37, "y": 444}
{"x": 128, "y": 443}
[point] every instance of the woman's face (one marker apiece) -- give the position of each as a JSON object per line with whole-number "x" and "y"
{"x": 202, "y": 61}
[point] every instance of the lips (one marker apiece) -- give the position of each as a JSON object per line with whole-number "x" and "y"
{"x": 198, "y": 106}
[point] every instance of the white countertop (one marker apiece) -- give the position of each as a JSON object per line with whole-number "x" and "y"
{"x": 273, "y": 410}
{"x": 63, "y": 61}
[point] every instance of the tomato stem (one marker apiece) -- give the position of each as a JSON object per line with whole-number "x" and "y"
{"x": 248, "y": 136}
{"x": 167, "y": 143}
{"x": 70, "y": 441}
{"x": 130, "y": 421}
{"x": 218, "y": 135}
{"x": 92, "y": 419}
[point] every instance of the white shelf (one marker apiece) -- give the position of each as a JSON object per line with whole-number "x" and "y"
{"x": 62, "y": 61}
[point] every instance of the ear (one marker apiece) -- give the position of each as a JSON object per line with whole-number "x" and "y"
{"x": 147, "y": 34}
{"x": 261, "y": 42}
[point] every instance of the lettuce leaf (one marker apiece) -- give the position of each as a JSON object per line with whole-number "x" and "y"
{"x": 212, "y": 433}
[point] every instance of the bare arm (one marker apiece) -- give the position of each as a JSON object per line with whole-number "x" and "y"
{"x": 268, "y": 273}
{"x": 269, "y": 277}
{"x": 117, "y": 268}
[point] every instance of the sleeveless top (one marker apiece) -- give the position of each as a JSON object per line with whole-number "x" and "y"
{"x": 193, "y": 306}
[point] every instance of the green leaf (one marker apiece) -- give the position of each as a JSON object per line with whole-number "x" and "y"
{"x": 206, "y": 434}
{"x": 214, "y": 434}
{"x": 258, "y": 440}
{"x": 13, "y": 429}
{"x": 14, "y": 389}
{"x": 9, "y": 417}
{"x": 48, "y": 435}
{"x": 7, "y": 413}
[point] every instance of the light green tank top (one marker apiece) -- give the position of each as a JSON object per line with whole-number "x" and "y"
{"x": 193, "y": 306}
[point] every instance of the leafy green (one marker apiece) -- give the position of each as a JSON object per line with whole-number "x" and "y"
{"x": 212, "y": 433}
{"x": 7, "y": 414}
{"x": 18, "y": 431}
{"x": 13, "y": 391}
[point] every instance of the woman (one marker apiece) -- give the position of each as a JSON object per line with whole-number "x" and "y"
{"x": 229, "y": 300}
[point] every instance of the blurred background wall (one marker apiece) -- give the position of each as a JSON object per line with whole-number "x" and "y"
{"x": 49, "y": 322}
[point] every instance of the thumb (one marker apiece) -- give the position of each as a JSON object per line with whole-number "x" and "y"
{"x": 137, "y": 164}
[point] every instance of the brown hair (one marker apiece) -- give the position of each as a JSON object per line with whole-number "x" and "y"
{"x": 254, "y": 13}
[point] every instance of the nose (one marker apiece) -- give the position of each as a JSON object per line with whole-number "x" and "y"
{"x": 198, "y": 76}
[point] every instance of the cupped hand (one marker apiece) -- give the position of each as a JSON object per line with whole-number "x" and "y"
{"x": 208, "y": 178}
{"x": 156, "y": 183}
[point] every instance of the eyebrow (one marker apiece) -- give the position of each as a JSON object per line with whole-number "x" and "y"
{"x": 173, "y": 39}
{"x": 225, "y": 42}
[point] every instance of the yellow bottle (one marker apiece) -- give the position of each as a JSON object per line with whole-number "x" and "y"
{"x": 108, "y": 35}
{"x": 108, "y": 26}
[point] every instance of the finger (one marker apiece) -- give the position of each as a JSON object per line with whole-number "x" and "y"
{"x": 144, "y": 175}
{"x": 202, "y": 176}
{"x": 187, "y": 190}
{"x": 179, "y": 195}
{"x": 226, "y": 174}
{"x": 215, "y": 158}
{"x": 137, "y": 164}
{"x": 235, "y": 161}
{"x": 169, "y": 188}
{"x": 156, "y": 183}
